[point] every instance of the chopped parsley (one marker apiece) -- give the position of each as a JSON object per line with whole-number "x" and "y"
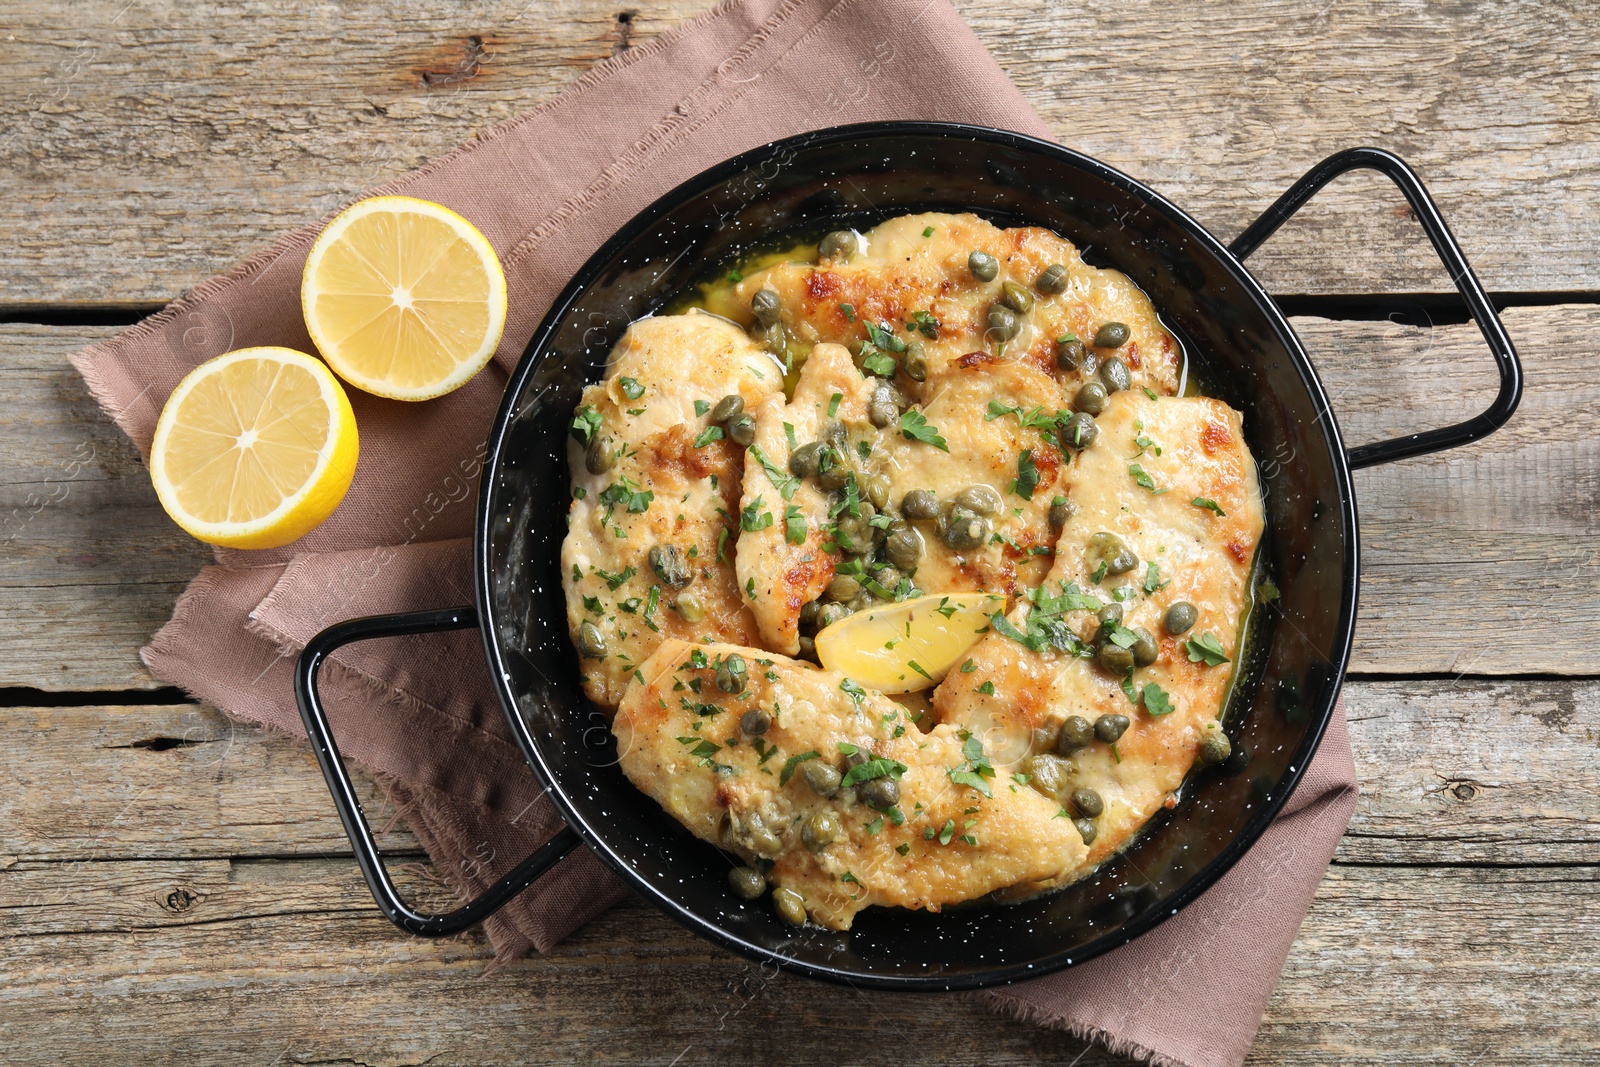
{"x": 854, "y": 689}
{"x": 879, "y": 363}
{"x": 833, "y": 404}
{"x": 1152, "y": 579}
{"x": 701, "y": 407}
{"x": 708, "y": 435}
{"x": 883, "y": 336}
{"x": 968, "y": 667}
{"x": 585, "y": 424}
{"x": 881, "y": 767}
{"x": 1027, "y": 476}
{"x": 592, "y": 605}
{"x": 631, "y": 388}
{"x": 785, "y": 484}
{"x": 924, "y": 323}
{"x": 927, "y": 231}
{"x": 849, "y": 311}
{"x": 794, "y": 761}
{"x": 1157, "y": 701}
{"x": 987, "y": 689}
{"x": 914, "y": 665}
{"x": 735, "y": 276}
{"x": 794, "y": 525}
{"x": 614, "y": 581}
{"x": 702, "y": 750}
{"x": 902, "y": 848}
{"x": 722, "y": 545}
{"x": 1205, "y": 649}
{"x": 1138, "y": 474}
{"x": 753, "y": 518}
{"x": 1209, "y": 505}
{"x": 914, "y": 426}
{"x": 626, "y": 492}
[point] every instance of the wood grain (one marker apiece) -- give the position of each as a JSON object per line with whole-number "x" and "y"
{"x": 150, "y": 144}
{"x": 312, "y": 976}
{"x": 1478, "y": 561}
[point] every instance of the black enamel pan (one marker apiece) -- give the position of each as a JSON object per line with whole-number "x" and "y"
{"x": 1236, "y": 339}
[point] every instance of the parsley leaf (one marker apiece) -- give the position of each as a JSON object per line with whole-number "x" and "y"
{"x": 925, "y": 324}
{"x": 1152, "y": 579}
{"x": 785, "y": 484}
{"x": 1027, "y": 476}
{"x": 794, "y": 525}
{"x": 708, "y": 435}
{"x": 1138, "y": 474}
{"x": 927, "y": 231}
{"x": 882, "y": 767}
{"x": 614, "y": 581}
{"x": 882, "y": 335}
{"x": 914, "y": 426}
{"x": 753, "y": 518}
{"x": 987, "y": 689}
{"x": 701, "y": 407}
{"x": 833, "y": 404}
{"x": 631, "y": 388}
{"x": 1205, "y": 649}
{"x": 794, "y": 761}
{"x": 879, "y": 363}
{"x": 1209, "y": 505}
{"x": 621, "y": 491}
{"x": 585, "y": 424}
{"x": 853, "y": 688}
{"x": 1157, "y": 701}
{"x": 968, "y": 667}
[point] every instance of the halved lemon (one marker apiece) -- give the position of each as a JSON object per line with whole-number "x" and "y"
{"x": 403, "y": 297}
{"x": 254, "y": 448}
{"x": 904, "y": 647}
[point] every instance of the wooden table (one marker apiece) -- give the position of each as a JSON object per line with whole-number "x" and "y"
{"x": 174, "y": 888}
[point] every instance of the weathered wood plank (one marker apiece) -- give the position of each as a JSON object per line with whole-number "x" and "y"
{"x": 1465, "y": 771}
{"x": 1390, "y": 967}
{"x": 151, "y": 144}
{"x": 91, "y": 565}
{"x": 1478, "y": 561}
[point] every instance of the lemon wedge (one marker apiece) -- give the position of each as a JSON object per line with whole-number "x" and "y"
{"x": 254, "y": 448}
{"x": 403, "y": 297}
{"x": 904, "y": 647}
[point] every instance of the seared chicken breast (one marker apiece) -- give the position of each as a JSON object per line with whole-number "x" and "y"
{"x": 851, "y": 804}
{"x": 651, "y": 536}
{"x": 1168, "y": 512}
{"x": 912, "y": 277}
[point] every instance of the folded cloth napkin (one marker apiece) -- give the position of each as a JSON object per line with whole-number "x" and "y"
{"x": 547, "y": 188}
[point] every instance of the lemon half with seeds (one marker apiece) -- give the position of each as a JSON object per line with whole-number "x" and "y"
{"x": 403, "y": 297}
{"x": 909, "y": 646}
{"x": 254, "y": 448}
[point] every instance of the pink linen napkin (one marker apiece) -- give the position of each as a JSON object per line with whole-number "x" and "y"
{"x": 547, "y": 188}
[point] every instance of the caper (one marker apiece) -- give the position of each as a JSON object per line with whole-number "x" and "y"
{"x": 820, "y": 830}
{"x": 831, "y": 614}
{"x": 743, "y": 430}
{"x": 1052, "y": 279}
{"x": 1048, "y": 774}
{"x": 886, "y": 575}
{"x": 1015, "y": 296}
{"x": 591, "y": 642}
{"x": 1087, "y": 830}
{"x": 854, "y": 536}
{"x": 919, "y": 504}
{"x": 1075, "y": 733}
{"x": 1071, "y": 355}
{"x": 1088, "y": 802}
{"x": 1061, "y": 509}
{"x": 979, "y": 498}
{"x": 822, "y": 778}
{"x": 983, "y": 266}
{"x": 1114, "y": 373}
{"x": 1111, "y": 335}
{"x": 767, "y": 306}
{"x": 882, "y": 411}
{"x": 731, "y": 673}
{"x": 809, "y": 613}
{"x": 1003, "y": 323}
{"x": 867, "y": 348}
{"x": 670, "y": 565}
{"x": 729, "y": 407}
{"x": 915, "y": 362}
{"x": 840, "y": 244}
{"x": 1214, "y": 747}
{"x": 904, "y": 548}
{"x": 803, "y": 460}
{"x": 1114, "y": 658}
{"x": 1113, "y": 551}
{"x": 1080, "y": 431}
{"x": 690, "y": 607}
{"x": 1091, "y": 398}
{"x": 856, "y": 758}
{"x": 842, "y": 588}
{"x": 834, "y": 435}
{"x": 755, "y": 722}
{"x": 600, "y": 456}
{"x": 876, "y": 488}
{"x": 791, "y": 906}
{"x": 1110, "y": 727}
{"x": 832, "y": 471}
{"x": 966, "y": 531}
{"x": 808, "y": 648}
{"x": 880, "y": 793}
{"x": 774, "y": 339}
{"x": 1181, "y": 615}
{"x": 1145, "y": 650}
{"x": 863, "y": 600}
{"x": 747, "y": 883}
